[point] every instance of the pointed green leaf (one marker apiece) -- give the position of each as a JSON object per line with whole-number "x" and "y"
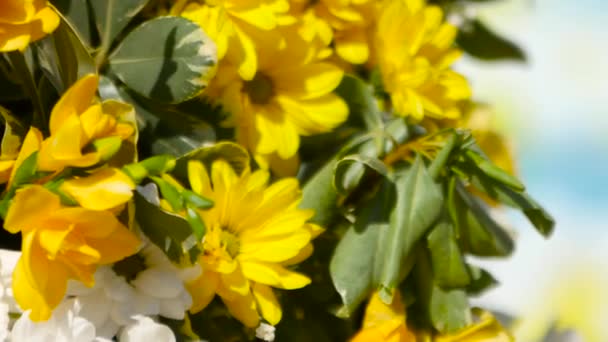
{"x": 79, "y": 15}
{"x": 478, "y": 40}
{"x": 196, "y": 222}
{"x": 358, "y": 257}
{"x": 481, "y": 281}
{"x": 419, "y": 203}
{"x": 494, "y": 172}
{"x": 173, "y": 67}
{"x": 171, "y": 233}
{"x": 446, "y": 258}
{"x": 112, "y": 16}
{"x": 350, "y": 169}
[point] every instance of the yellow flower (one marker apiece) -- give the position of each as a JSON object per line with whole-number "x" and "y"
{"x": 414, "y": 52}
{"x": 290, "y": 96}
{"x": 77, "y": 120}
{"x": 103, "y": 190}
{"x": 253, "y": 233}
{"x": 384, "y": 322}
{"x": 345, "y": 22}
{"x": 486, "y": 329}
{"x": 25, "y": 21}
{"x": 60, "y": 243}
{"x": 235, "y": 25}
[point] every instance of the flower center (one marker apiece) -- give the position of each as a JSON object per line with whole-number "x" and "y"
{"x": 260, "y": 89}
{"x": 230, "y": 242}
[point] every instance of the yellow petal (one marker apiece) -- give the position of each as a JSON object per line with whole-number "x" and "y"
{"x": 198, "y": 177}
{"x": 267, "y": 303}
{"x": 308, "y": 81}
{"x": 27, "y": 297}
{"x": 352, "y": 46}
{"x": 275, "y": 248}
{"x": 104, "y": 189}
{"x": 31, "y": 144}
{"x": 120, "y": 244}
{"x": 33, "y": 199}
{"x": 75, "y": 101}
{"x": 243, "y": 308}
{"x": 274, "y": 275}
{"x": 203, "y": 290}
{"x": 235, "y": 282}
{"x": 314, "y": 116}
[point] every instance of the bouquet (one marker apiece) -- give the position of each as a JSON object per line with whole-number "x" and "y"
{"x": 238, "y": 170}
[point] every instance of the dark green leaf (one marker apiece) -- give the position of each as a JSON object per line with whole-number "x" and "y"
{"x": 78, "y": 12}
{"x": 170, "y": 232}
{"x": 479, "y": 41}
{"x": 478, "y": 232}
{"x": 481, "y": 281}
{"x": 494, "y": 172}
{"x": 173, "y": 67}
{"x": 112, "y": 16}
{"x": 419, "y": 202}
{"x": 358, "y": 257}
{"x": 361, "y": 101}
{"x": 448, "y": 262}
{"x": 350, "y": 169}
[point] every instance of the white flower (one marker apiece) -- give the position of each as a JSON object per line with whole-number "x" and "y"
{"x": 8, "y": 260}
{"x": 265, "y": 332}
{"x": 158, "y": 290}
{"x": 64, "y": 326}
{"x": 146, "y": 329}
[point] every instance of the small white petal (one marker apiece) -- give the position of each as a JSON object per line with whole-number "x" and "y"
{"x": 146, "y": 305}
{"x": 172, "y": 308}
{"x": 95, "y": 307}
{"x": 117, "y": 289}
{"x": 145, "y": 329}
{"x": 158, "y": 283}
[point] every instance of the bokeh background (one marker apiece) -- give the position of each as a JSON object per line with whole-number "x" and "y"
{"x": 555, "y": 109}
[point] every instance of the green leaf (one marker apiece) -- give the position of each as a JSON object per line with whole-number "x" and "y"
{"x": 419, "y": 202}
{"x": 320, "y": 195}
{"x": 180, "y": 134}
{"x": 481, "y": 281}
{"x": 196, "y": 200}
{"x": 493, "y": 171}
{"x": 362, "y": 103}
{"x": 26, "y": 172}
{"x": 171, "y": 233}
{"x": 64, "y": 58}
{"x": 196, "y": 222}
{"x": 478, "y": 40}
{"x": 79, "y": 15}
{"x": 173, "y": 67}
{"x": 231, "y": 152}
{"x": 358, "y": 257}
{"x": 350, "y": 169}
{"x": 449, "y": 309}
{"x": 478, "y": 232}
{"x": 446, "y": 258}
{"x": 536, "y": 214}
{"x": 112, "y": 16}
{"x": 170, "y": 193}
{"x": 13, "y": 134}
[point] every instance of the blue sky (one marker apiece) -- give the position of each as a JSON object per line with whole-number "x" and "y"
{"x": 556, "y": 110}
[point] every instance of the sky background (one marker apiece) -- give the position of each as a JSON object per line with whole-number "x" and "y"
{"x": 555, "y": 108}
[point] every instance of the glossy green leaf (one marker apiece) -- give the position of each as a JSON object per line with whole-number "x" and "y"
{"x": 171, "y": 233}
{"x": 359, "y": 256}
{"x": 418, "y": 205}
{"x": 80, "y": 17}
{"x": 361, "y": 101}
{"x": 446, "y": 257}
{"x": 173, "y": 67}
{"x": 479, "y": 233}
{"x": 112, "y": 16}
{"x": 479, "y": 41}
{"x": 350, "y": 169}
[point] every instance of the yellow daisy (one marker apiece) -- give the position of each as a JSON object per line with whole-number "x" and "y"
{"x": 290, "y": 96}
{"x": 253, "y": 232}
{"x": 414, "y": 52}
{"x": 233, "y": 25}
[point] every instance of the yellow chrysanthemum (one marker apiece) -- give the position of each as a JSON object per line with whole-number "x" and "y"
{"x": 60, "y": 243}
{"x": 414, "y": 52}
{"x": 77, "y": 120}
{"x": 253, "y": 233}
{"x": 344, "y": 22}
{"x": 25, "y": 21}
{"x": 290, "y": 96}
{"x": 235, "y": 25}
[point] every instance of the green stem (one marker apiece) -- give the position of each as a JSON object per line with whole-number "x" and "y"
{"x": 29, "y": 86}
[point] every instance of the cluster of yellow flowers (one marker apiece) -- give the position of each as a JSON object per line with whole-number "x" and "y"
{"x": 281, "y": 60}
{"x": 279, "y": 64}
{"x": 68, "y": 220}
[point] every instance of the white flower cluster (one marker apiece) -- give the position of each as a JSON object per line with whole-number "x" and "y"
{"x": 115, "y": 308}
